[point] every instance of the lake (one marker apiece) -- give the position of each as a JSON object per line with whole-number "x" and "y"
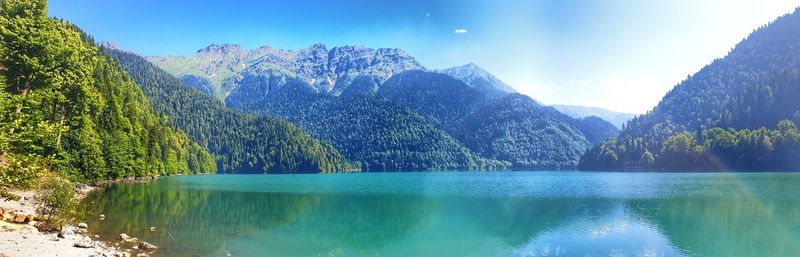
{"x": 459, "y": 214}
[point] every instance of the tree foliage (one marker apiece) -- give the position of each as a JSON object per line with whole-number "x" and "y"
{"x": 68, "y": 109}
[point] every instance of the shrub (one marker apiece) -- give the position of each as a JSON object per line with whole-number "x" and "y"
{"x": 56, "y": 202}
{"x": 19, "y": 173}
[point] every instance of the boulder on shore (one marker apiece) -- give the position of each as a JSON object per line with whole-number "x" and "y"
{"x": 86, "y": 242}
{"x": 128, "y": 239}
{"x": 66, "y": 232}
{"x": 147, "y": 246}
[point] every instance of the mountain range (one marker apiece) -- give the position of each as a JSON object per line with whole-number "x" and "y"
{"x": 221, "y": 68}
{"x": 353, "y": 97}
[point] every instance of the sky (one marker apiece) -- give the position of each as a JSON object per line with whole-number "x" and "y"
{"x": 622, "y": 55}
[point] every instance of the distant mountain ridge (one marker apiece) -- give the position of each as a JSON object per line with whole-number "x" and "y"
{"x": 578, "y": 112}
{"x": 326, "y": 71}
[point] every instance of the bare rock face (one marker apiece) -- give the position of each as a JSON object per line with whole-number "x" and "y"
{"x": 233, "y": 73}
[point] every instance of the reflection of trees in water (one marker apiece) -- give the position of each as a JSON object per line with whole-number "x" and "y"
{"x": 199, "y": 220}
{"x": 518, "y": 220}
{"x": 726, "y": 226}
{"x": 202, "y": 222}
{"x": 355, "y": 222}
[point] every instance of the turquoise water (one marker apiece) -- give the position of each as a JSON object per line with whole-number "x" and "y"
{"x": 459, "y": 214}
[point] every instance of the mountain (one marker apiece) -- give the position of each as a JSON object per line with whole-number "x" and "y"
{"x": 66, "y": 108}
{"x": 616, "y": 118}
{"x": 382, "y": 110}
{"x": 479, "y": 79}
{"x": 326, "y": 71}
{"x": 739, "y": 91}
{"x": 366, "y": 128}
{"x": 596, "y": 129}
{"x": 514, "y": 128}
{"x": 241, "y": 142}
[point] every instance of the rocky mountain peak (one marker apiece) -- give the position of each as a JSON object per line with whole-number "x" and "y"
{"x": 478, "y": 78}
{"x": 221, "y": 48}
{"x": 109, "y": 45}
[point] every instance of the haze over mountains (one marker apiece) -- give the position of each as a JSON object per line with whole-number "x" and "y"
{"x": 616, "y": 118}
{"x": 734, "y": 114}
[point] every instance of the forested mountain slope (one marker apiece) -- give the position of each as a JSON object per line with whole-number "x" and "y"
{"x": 513, "y": 128}
{"x": 368, "y": 129}
{"x": 242, "y": 143}
{"x": 64, "y": 107}
{"x": 752, "y": 87}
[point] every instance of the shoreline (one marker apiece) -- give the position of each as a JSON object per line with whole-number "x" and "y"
{"x": 20, "y": 238}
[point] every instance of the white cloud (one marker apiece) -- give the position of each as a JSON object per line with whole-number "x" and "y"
{"x": 460, "y": 31}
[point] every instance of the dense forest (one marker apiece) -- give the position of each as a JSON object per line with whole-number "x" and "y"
{"x": 747, "y": 95}
{"x": 512, "y": 128}
{"x": 712, "y": 149}
{"x": 68, "y": 109}
{"x": 242, "y": 143}
{"x": 370, "y": 130}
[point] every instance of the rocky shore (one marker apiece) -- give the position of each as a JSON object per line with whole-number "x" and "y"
{"x": 19, "y": 236}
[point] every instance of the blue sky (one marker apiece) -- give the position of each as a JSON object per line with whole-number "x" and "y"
{"x": 618, "y": 54}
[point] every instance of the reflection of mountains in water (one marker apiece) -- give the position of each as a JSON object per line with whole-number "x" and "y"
{"x": 610, "y": 230}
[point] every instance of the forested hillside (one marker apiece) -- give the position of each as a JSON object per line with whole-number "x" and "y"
{"x": 66, "y": 108}
{"x": 513, "y": 128}
{"x": 368, "y": 129}
{"x": 754, "y": 86}
{"x": 242, "y": 143}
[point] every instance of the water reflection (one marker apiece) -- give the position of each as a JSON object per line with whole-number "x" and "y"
{"x": 724, "y": 227}
{"x": 269, "y": 216}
